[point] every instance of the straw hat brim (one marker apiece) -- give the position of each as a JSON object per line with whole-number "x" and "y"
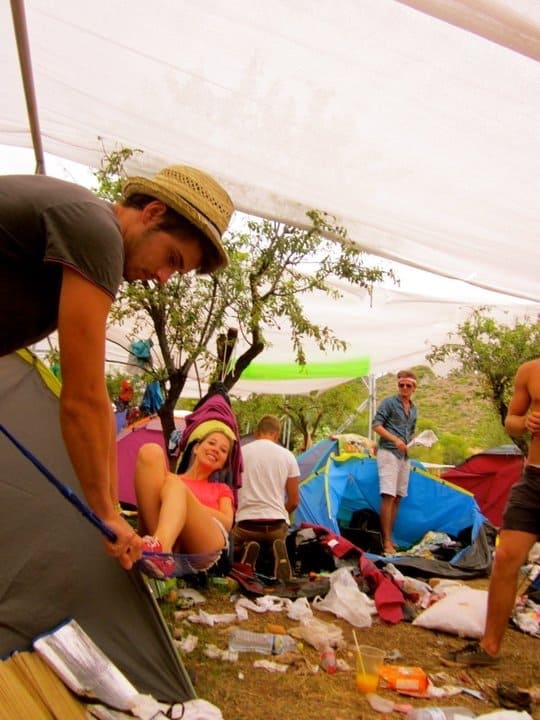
{"x": 210, "y": 426}
{"x": 147, "y": 186}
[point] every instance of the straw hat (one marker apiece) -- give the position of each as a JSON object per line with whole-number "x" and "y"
{"x": 194, "y": 195}
{"x": 210, "y": 426}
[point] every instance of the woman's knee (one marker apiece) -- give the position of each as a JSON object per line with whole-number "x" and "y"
{"x": 150, "y": 454}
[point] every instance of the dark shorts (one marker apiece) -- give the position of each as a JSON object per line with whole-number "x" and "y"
{"x": 522, "y": 510}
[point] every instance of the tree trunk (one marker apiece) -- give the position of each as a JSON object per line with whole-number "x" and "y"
{"x": 166, "y": 412}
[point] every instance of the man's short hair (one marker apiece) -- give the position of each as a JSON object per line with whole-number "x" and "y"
{"x": 268, "y": 425}
{"x": 406, "y": 374}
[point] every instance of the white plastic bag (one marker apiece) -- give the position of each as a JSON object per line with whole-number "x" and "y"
{"x": 345, "y": 600}
{"x": 319, "y": 634}
{"x": 300, "y": 609}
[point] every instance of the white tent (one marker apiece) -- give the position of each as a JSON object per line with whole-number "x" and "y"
{"x": 417, "y": 127}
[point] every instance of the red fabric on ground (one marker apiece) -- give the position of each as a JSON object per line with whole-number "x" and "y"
{"x": 388, "y": 598}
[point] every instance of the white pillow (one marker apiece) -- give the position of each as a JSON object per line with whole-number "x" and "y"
{"x": 462, "y": 612}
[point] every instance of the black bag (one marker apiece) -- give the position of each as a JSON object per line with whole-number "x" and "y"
{"x": 364, "y": 531}
{"x": 307, "y": 553}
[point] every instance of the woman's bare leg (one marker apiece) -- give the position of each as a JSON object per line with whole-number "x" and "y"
{"x": 200, "y": 532}
{"x": 150, "y": 475}
{"x": 168, "y": 509}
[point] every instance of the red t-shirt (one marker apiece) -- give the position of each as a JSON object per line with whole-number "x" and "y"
{"x": 209, "y": 493}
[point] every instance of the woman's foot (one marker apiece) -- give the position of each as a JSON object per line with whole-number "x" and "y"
{"x": 154, "y": 560}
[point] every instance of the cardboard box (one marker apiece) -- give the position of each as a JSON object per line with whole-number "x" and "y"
{"x": 402, "y": 677}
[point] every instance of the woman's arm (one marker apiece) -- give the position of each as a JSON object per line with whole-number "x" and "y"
{"x": 225, "y": 514}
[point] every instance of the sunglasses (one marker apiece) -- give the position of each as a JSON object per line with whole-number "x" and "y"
{"x": 405, "y": 385}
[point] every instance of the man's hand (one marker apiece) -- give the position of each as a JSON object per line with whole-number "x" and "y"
{"x": 128, "y": 546}
{"x": 401, "y": 445}
{"x": 532, "y": 422}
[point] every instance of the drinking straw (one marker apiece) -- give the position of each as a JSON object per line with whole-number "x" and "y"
{"x": 359, "y": 653}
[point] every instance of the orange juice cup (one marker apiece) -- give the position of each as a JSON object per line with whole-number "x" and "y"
{"x": 369, "y": 661}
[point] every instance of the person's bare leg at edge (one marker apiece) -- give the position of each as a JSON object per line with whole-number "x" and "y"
{"x": 387, "y": 514}
{"x": 511, "y": 554}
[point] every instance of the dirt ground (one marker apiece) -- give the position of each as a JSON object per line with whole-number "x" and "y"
{"x": 243, "y": 692}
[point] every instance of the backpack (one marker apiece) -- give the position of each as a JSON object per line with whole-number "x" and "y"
{"x": 364, "y": 531}
{"x": 307, "y": 554}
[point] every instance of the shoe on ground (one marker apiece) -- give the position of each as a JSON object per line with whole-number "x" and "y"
{"x": 471, "y": 655}
{"x": 159, "y": 564}
{"x": 513, "y": 698}
{"x": 251, "y": 553}
{"x": 282, "y": 566}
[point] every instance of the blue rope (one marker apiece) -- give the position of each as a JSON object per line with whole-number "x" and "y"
{"x": 66, "y": 491}
{"x": 185, "y": 563}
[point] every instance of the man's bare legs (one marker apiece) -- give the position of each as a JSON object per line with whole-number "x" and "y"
{"x": 510, "y": 555}
{"x": 388, "y": 513}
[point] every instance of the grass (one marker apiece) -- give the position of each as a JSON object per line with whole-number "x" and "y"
{"x": 306, "y": 692}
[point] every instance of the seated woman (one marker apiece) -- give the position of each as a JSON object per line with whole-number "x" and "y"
{"x": 186, "y": 513}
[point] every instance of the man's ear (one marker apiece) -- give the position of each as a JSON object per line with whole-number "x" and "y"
{"x": 153, "y": 212}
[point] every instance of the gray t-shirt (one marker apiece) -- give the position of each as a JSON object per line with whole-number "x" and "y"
{"x": 46, "y": 224}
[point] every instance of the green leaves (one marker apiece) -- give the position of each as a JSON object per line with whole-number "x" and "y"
{"x": 493, "y": 351}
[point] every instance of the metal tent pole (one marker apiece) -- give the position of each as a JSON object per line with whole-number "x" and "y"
{"x": 372, "y": 403}
{"x": 23, "y": 46}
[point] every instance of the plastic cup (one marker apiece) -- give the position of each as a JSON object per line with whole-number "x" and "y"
{"x": 368, "y": 663}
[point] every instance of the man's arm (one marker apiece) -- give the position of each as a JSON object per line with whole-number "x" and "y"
{"x": 520, "y": 419}
{"x": 85, "y": 410}
{"x": 293, "y": 494}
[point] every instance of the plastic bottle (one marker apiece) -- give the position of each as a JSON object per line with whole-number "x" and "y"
{"x": 440, "y": 713}
{"x": 264, "y": 643}
{"x": 328, "y": 660}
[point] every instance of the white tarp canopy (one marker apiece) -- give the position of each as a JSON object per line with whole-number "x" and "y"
{"x": 419, "y": 135}
{"x": 393, "y": 329}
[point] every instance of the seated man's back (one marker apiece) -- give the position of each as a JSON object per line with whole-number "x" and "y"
{"x": 269, "y": 493}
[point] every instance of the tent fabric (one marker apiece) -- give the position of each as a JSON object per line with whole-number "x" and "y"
{"x": 393, "y": 328}
{"x": 489, "y": 476}
{"x": 128, "y": 442}
{"x": 343, "y": 483}
{"x": 54, "y": 566}
{"x": 415, "y": 128}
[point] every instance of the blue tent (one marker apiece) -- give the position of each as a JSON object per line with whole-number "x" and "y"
{"x": 336, "y": 483}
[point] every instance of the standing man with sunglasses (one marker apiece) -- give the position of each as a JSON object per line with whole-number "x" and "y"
{"x": 395, "y": 423}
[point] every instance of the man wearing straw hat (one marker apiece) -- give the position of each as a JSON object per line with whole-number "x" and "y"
{"x": 63, "y": 254}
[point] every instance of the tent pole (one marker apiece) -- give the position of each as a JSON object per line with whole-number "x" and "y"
{"x": 372, "y": 403}
{"x": 23, "y": 47}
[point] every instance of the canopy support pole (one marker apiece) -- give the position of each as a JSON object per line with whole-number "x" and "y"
{"x": 23, "y": 47}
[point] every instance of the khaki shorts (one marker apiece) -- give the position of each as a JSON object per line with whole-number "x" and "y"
{"x": 393, "y": 474}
